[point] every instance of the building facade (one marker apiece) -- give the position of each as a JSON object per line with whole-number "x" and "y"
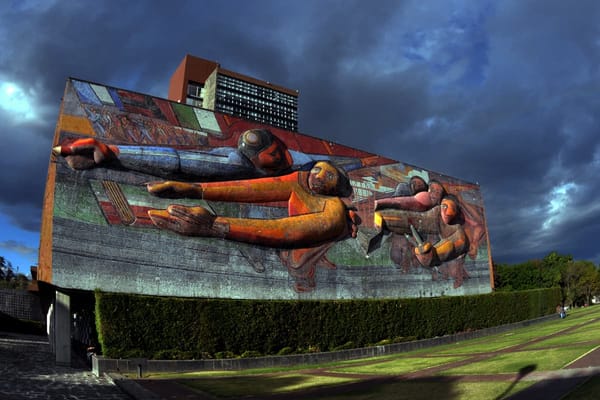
{"x": 260, "y": 233}
{"x": 237, "y": 209}
{"x": 203, "y": 83}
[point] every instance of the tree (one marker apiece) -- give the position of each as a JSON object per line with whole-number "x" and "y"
{"x": 555, "y": 260}
{"x": 532, "y": 274}
{"x": 552, "y": 266}
{"x": 589, "y": 284}
{"x": 6, "y": 269}
{"x": 8, "y": 277}
{"x": 580, "y": 282}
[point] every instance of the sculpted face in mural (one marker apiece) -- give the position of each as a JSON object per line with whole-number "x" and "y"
{"x": 317, "y": 217}
{"x": 453, "y": 241}
{"x": 266, "y": 152}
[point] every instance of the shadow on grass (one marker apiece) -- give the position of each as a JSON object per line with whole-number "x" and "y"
{"x": 290, "y": 387}
{"x": 526, "y": 370}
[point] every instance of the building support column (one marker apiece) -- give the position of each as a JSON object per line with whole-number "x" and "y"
{"x": 62, "y": 329}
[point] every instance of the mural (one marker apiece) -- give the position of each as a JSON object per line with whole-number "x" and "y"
{"x": 150, "y": 196}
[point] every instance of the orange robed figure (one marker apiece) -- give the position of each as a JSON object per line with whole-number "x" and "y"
{"x": 317, "y": 217}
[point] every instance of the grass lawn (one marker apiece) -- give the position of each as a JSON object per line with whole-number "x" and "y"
{"x": 488, "y": 390}
{"x": 238, "y": 386}
{"x": 491, "y": 343}
{"x": 446, "y": 386}
{"x": 419, "y": 389}
{"x": 399, "y": 365}
{"x": 546, "y": 360}
{"x": 522, "y": 335}
{"x": 584, "y": 334}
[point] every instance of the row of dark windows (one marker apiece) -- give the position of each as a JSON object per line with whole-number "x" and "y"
{"x": 246, "y": 100}
{"x": 237, "y": 106}
{"x": 196, "y": 92}
{"x": 225, "y": 82}
{"x": 240, "y": 109}
{"x": 268, "y": 119}
{"x": 255, "y": 100}
{"x": 274, "y": 109}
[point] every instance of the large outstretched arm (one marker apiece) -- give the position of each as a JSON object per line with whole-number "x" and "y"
{"x": 332, "y": 223}
{"x": 446, "y": 249}
{"x": 258, "y": 190}
{"x": 219, "y": 163}
{"x": 419, "y": 202}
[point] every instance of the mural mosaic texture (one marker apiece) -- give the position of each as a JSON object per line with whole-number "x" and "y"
{"x": 154, "y": 197}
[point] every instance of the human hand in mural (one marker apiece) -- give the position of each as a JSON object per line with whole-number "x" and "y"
{"x": 85, "y": 153}
{"x": 453, "y": 243}
{"x": 353, "y": 223}
{"x": 424, "y": 253}
{"x": 421, "y": 201}
{"x": 175, "y": 190}
{"x": 189, "y": 221}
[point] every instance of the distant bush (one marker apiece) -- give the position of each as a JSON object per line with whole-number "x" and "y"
{"x": 345, "y": 346}
{"x": 250, "y": 354}
{"x": 224, "y": 354}
{"x": 285, "y": 351}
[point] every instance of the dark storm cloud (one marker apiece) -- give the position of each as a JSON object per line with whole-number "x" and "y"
{"x": 526, "y": 132}
{"x": 500, "y": 93}
{"x": 552, "y": 57}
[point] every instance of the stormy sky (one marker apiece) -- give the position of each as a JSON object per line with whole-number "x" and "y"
{"x": 502, "y": 93}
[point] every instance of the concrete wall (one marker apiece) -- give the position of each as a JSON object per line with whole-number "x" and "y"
{"x": 98, "y": 235}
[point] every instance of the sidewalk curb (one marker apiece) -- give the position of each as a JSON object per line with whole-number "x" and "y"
{"x": 132, "y": 388}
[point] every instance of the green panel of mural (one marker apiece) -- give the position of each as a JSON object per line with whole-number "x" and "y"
{"x": 155, "y": 197}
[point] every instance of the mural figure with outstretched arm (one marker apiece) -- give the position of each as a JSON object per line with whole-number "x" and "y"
{"x": 317, "y": 217}
{"x": 259, "y": 153}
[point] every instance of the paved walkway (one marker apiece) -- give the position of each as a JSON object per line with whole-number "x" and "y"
{"x": 28, "y": 372}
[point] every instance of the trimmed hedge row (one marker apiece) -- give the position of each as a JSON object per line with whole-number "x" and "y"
{"x": 12, "y": 324}
{"x": 177, "y": 328}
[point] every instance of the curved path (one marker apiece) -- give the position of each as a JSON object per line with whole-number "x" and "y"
{"x": 28, "y": 372}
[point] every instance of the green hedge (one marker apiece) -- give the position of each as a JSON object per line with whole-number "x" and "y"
{"x": 177, "y": 328}
{"x": 12, "y": 324}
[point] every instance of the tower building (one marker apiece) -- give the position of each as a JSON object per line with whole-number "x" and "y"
{"x": 203, "y": 83}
